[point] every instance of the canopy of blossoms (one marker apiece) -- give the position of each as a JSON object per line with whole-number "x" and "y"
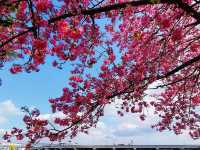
{"x": 117, "y": 49}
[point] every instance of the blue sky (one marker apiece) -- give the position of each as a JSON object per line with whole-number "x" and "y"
{"x": 33, "y": 89}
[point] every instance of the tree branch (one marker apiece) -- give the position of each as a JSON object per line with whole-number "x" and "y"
{"x": 16, "y": 36}
{"x": 182, "y": 66}
{"x": 32, "y": 17}
{"x": 100, "y": 9}
{"x": 188, "y": 9}
{"x": 184, "y": 6}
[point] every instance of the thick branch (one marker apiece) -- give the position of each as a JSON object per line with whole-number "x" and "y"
{"x": 184, "y": 6}
{"x": 188, "y": 9}
{"x": 32, "y": 17}
{"x": 177, "y": 69}
{"x": 182, "y": 66}
{"x": 101, "y": 9}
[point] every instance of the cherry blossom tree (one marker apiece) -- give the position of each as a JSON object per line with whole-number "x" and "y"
{"x": 129, "y": 44}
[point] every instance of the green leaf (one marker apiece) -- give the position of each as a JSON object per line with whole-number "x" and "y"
{"x": 6, "y": 22}
{"x": 155, "y": 1}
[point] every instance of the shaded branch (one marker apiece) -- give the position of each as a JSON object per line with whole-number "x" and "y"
{"x": 180, "y": 67}
{"x": 16, "y": 36}
{"x": 32, "y": 17}
{"x": 184, "y": 6}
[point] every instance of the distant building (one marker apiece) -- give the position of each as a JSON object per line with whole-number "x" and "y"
{"x": 106, "y": 147}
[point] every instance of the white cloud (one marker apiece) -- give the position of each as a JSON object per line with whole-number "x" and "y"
{"x": 126, "y": 125}
{"x": 2, "y": 131}
{"x": 129, "y": 129}
{"x": 51, "y": 117}
{"x": 8, "y": 108}
{"x": 3, "y": 119}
